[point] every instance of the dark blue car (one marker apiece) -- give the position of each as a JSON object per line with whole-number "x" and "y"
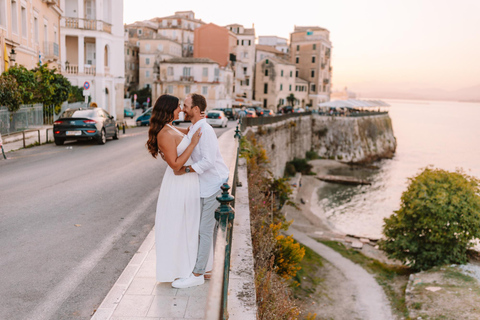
{"x": 144, "y": 118}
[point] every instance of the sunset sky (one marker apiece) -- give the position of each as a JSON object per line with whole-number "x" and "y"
{"x": 377, "y": 44}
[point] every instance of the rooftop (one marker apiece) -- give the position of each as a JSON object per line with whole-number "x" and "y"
{"x": 263, "y": 47}
{"x": 191, "y": 60}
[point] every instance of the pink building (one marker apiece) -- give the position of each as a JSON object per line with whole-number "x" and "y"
{"x": 214, "y": 42}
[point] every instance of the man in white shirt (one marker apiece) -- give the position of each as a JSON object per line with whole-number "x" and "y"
{"x": 212, "y": 173}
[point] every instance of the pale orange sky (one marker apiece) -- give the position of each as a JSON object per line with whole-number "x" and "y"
{"x": 377, "y": 44}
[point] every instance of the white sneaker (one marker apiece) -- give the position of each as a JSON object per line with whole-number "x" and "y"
{"x": 191, "y": 281}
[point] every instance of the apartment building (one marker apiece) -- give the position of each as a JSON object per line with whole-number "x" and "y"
{"x": 92, "y": 42}
{"x": 131, "y": 52}
{"x": 244, "y": 64}
{"x": 280, "y": 44}
{"x": 216, "y": 43}
{"x": 30, "y": 33}
{"x": 181, "y": 76}
{"x": 310, "y": 51}
{"x": 274, "y": 82}
{"x": 179, "y": 27}
{"x": 263, "y": 51}
{"x": 301, "y": 93}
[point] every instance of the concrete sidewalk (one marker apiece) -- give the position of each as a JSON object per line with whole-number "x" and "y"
{"x": 137, "y": 295}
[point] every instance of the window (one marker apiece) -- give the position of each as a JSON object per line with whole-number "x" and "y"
{"x": 170, "y": 71}
{"x": 266, "y": 72}
{"x": 314, "y": 46}
{"x": 128, "y": 50}
{"x": 247, "y": 82}
{"x": 266, "y": 61}
{"x": 290, "y": 88}
{"x": 147, "y": 47}
{"x": 313, "y": 88}
{"x": 174, "y": 22}
{"x": 170, "y": 89}
{"x": 281, "y": 73}
{"x": 244, "y": 70}
{"x": 147, "y": 74}
{"x": 241, "y": 82}
{"x": 35, "y": 28}
{"x": 3, "y": 17}
{"x": 265, "y": 103}
{"x": 297, "y": 59}
{"x": 296, "y": 73}
{"x": 204, "y": 90}
{"x": 298, "y": 47}
{"x": 265, "y": 88}
{"x": 217, "y": 72}
{"x": 160, "y": 47}
{"x": 249, "y": 42}
{"x": 238, "y": 42}
{"x": 313, "y": 59}
{"x": 186, "y": 71}
{"x": 14, "y": 16}
{"x": 281, "y": 86}
{"x": 205, "y": 72}
{"x": 245, "y": 54}
{"x": 312, "y": 73}
{"x": 24, "y": 22}
{"x": 243, "y": 42}
{"x": 164, "y": 23}
{"x": 147, "y": 61}
{"x": 187, "y": 89}
{"x": 139, "y": 31}
{"x": 291, "y": 74}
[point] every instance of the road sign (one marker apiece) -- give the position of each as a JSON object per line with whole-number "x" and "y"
{"x": 148, "y": 100}
{"x": 135, "y": 96}
{"x": 86, "y": 85}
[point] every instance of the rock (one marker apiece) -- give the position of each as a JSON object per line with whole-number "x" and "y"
{"x": 357, "y": 244}
{"x": 433, "y": 289}
{"x": 364, "y": 240}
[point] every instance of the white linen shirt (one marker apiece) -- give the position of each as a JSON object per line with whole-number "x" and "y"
{"x": 208, "y": 162}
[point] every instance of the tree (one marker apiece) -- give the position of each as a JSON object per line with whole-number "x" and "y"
{"x": 10, "y": 93}
{"x": 291, "y": 99}
{"x": 438, "y": 218}
{"x": 53, "y": 88}
{"x": 26, "y": 83}
{"x": 76, "y": 94}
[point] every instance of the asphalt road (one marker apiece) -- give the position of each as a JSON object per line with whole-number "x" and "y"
{"x": 71, "y": 218}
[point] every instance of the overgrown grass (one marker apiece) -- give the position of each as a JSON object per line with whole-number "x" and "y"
{"x": 307, "y": 279}
{"x": 393, "y": 279}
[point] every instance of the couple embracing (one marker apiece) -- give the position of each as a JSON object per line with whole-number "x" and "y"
{"x": 185, "y": 217}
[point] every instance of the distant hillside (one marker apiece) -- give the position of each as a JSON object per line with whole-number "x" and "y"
{"x": 466, "y": 94}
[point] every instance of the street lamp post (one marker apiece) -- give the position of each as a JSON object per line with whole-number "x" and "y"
{"x": 13, "y": 55}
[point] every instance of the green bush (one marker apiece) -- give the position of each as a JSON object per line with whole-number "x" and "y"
{"x": 312, "y": 155}
{"x": 438, "y": 218}
{"x": 301, "y": 165}
{"x": 290, "y": 170}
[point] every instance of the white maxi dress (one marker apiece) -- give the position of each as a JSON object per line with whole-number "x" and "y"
{"x": 177, "y": 222}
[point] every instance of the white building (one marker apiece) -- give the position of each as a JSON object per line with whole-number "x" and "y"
{"x": 181, "y": 76}
{"x": 92, "y": 50}
{"x": 281, "y": 44}
{"x": 245, "y": 60}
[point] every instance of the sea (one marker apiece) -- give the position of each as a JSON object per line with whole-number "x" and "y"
{"x": 442, "y": 134}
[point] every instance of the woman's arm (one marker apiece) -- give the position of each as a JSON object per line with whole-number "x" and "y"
{"x": 167, "y": 145}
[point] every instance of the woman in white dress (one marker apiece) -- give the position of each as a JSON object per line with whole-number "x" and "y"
{"x": 178, "y": 208}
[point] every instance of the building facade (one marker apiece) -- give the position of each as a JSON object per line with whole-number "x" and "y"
{"x": 214, "y": 42}
{"x": 310, "y": 51}
{"x": 274, "y": 82}
{"x": 280, "y": 44}
{"x": 131, "y": 52}
{"x": 32, "y": 30}
{"x": 180, "y": 28}
{"x": 182, "y": 76}
{"x": 244, "y": 64}
{"x": 92, "y": 42}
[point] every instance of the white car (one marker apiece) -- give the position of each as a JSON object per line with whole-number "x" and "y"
{"x": 217, "y": 118}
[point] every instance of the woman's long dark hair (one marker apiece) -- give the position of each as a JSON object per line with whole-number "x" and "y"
{"x": 162, "y": 113}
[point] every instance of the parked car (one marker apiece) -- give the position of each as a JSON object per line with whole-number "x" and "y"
{"x": 287, "y": 109}
{"x": 251, "y": 113}
{"x": 298, "y": 110}
{"x": 268, "y": 112}
{"x": 217, "y": 118}
{"x": 258, "y": 110}
{"x": 127, "y": 112}
{"x": 85, "y": 124}
{"x": 144, "y": 118}
{"x": 181, "y": 119}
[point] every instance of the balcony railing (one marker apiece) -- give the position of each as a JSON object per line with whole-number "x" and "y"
{"x": 326, "y": 81}
{"x": 91, "y": 70}
{"x": 71, "y": 69}
{"x": 186, "y": 78}
{"x": 88, "y": 24}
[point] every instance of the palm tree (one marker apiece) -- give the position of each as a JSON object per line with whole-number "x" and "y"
{"x": 291, "y": 99}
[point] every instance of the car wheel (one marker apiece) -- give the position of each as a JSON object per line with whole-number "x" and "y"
{"x": 59, "y": 141}
{"x": 115, "y": 136}
{"x": 103, "y": 137}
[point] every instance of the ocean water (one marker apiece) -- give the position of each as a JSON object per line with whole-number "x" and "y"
{"x": 443, "y": 134}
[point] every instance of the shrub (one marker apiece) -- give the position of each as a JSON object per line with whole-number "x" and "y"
{"x": 301, "y": 165}
{"x": 312, "y": 155}
{"x": 438, "y": 218}
{"x": 290, "y": 170}
{"x": 288, "y": 253}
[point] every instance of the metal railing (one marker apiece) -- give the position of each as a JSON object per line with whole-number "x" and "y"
{"x": 225, "y": 214}
{"x": 27, "y": 116}
{"x": 260, "y": 121}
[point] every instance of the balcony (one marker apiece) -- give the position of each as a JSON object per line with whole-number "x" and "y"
{"x": 91, "y": 70}
{"x": 71, "y": 69}
{"x": 326, "y": 81}
{"x": 186, "y": 78}
{"x": 87, "y": 24}
{"x": 51, "y": 51}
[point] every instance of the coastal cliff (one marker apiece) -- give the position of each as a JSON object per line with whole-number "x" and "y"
{"x": 349, "y": 139}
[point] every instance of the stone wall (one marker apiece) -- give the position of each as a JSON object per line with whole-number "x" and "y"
{"x": 349, "y": 139}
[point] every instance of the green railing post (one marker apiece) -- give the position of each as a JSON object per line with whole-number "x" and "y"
{"x": 238, "y": 133}
{"x": 225, "y": 215}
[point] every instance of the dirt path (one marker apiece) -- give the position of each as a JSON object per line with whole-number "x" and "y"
{"x": 370, "y": 301}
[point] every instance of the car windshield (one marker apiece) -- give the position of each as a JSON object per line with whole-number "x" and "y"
{"x": 213, "y": 115}
{"x": 76, "y": 113}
